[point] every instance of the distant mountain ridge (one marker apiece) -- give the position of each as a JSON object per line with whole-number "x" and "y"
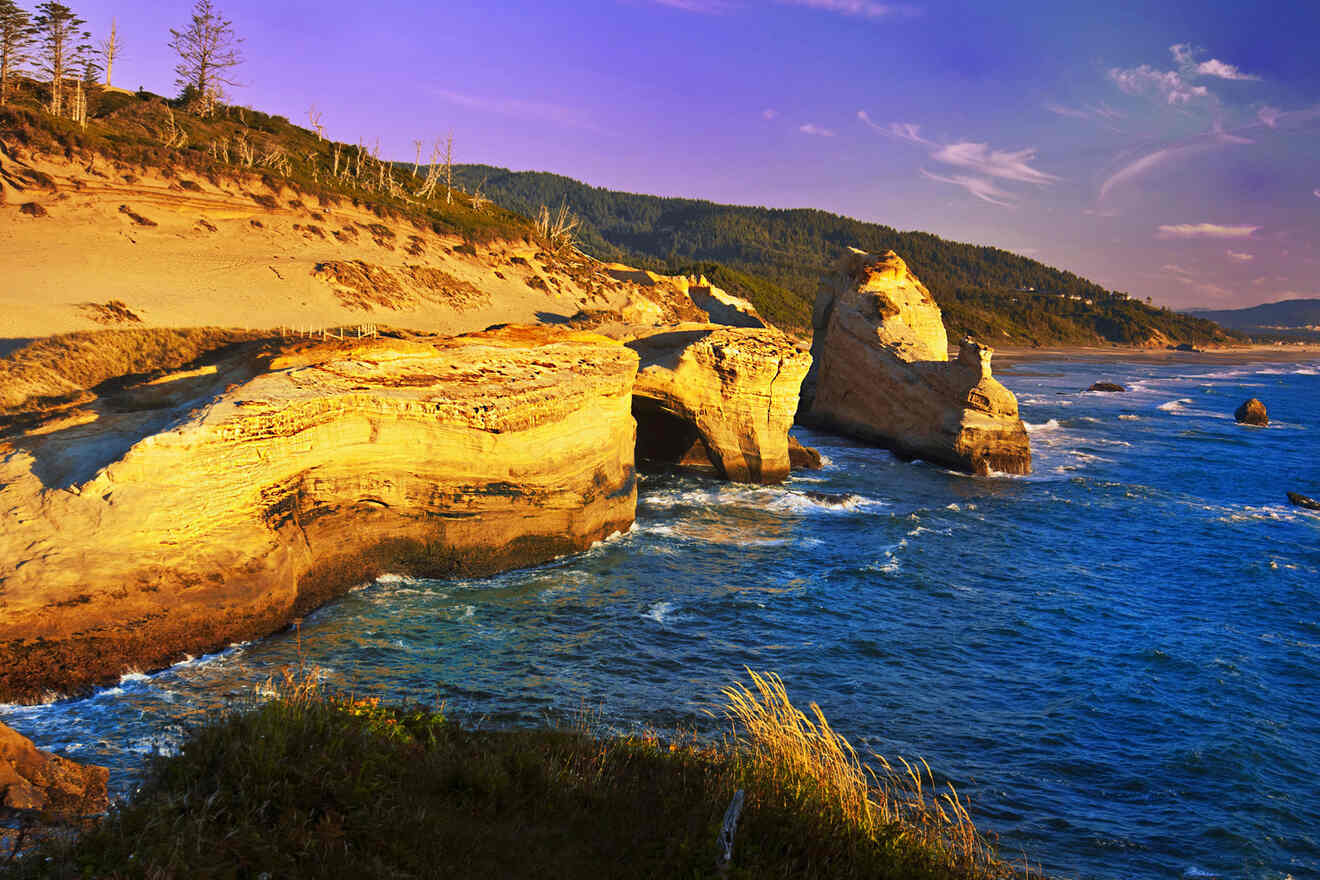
{"x": 775, "y": 258}
{"x": 1285, "y": 314}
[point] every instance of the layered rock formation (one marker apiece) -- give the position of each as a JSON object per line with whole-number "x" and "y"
{"x": 213, "y": 505}
{"x": 882, "y": 373}
{"x": 31, "y": 779}
{"x": 718, "y": 398}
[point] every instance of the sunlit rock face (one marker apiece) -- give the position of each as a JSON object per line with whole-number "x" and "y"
{"x": 718, "y": 398}
{"x": 33, "y": 780}
{"x": 882, "y": 373}
{"x": 215, "y": 505}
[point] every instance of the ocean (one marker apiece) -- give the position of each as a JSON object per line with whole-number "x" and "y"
{"x": 1117, "y": 658}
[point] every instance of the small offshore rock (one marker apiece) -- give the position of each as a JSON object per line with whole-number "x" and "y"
{"x": 1252, "y": 413}
{"x": 1303, "y": 501}
{"x": 1109, "y": 387}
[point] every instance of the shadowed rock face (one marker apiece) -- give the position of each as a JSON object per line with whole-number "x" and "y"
{"x": 882, "y": 374}
{"x": 180, "y": 516}
{"x": 31, "y": 779}
{"x": 718, "y": 398}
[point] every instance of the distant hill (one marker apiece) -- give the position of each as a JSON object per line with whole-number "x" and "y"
{"x": 1289, "y": 314}
{"x": 776, "y": 257}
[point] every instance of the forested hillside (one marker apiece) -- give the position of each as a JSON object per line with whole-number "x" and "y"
{"x": 775, "y": 258}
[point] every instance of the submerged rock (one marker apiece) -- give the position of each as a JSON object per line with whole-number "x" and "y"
{"x": 882, "y": 373}
{"x": 1252, "y": 412}
{"x": 31, "y": 779}
{"x": 1108, "y": 387}
{"x": 1303, "y": 501}
{"x": 718, "y": 398}
{"x": 803, "y": 458}
{"x": 212, "y": 506}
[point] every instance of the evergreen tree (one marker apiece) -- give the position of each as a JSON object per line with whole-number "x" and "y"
{"x": 15, "y": 42}
{"x": 64, "y": 48}
{"x": 208, "y": 51}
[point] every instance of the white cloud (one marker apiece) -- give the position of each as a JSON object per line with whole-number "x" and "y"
{"x": 1185, "y": 56}
{"x": 857, "y": 8}
{"x": 1206, "y": 230}
{"x": 1240, "y": 257}
{"x": 813, "y": 129}
{"x": 1146, "y": 163}
{"x": 979, "y": 187}
{"x": 1168, "y": 84}
{"x": 1316, "y": 192}
{"x": 995, "y": 163}
{"x": 769, "y": 113}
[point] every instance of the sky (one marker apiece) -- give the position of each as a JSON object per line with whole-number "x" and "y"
{"x": 1170, "y": 150}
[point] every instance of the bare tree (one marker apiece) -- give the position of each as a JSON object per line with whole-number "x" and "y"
{"x": 64, "y": 47}
{"x": 109, "y": 50}
{"x": 15, "y": 40}
{"x": 314, "y": 117}
{"x": 449, "y": 169}
{"x": 417, "y": 163}
{"x": 208, "y": 51}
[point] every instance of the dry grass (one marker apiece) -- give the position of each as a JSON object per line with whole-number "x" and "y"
{"x": 875, "y": 797}
{"x": 365, "y": 286}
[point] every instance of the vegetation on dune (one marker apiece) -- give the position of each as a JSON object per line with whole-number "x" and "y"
{"x": 995, "y": 295}
{"x": 316, "y": 785}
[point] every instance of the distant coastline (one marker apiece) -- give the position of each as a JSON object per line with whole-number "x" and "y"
{"x": 1009, "y": 356}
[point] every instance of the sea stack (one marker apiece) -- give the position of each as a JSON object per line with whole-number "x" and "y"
{"x": 882, "y": 373}
{"x": 1252, "y": 412}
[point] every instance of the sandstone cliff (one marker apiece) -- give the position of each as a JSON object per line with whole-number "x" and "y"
{"x": 718, "y": 398}
{"x": 212, "y": 505}
{"x": 882, "y": 373}
{"x": 31, "y": 779}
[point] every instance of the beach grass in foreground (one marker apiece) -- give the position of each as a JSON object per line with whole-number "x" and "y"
{"x": 312, "y": 784}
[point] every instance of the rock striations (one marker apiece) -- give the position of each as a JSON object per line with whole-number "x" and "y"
{"x": 718, "y": 398}
{"x": 212, "y": 505}
{"x": 882, "y": 373}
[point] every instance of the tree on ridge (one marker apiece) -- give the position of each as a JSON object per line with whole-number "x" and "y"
{"x": 110, "y": 50}
{"x": 15, "y": 40}
{"x": 208, "y": 51}
{"x": 64, "y": 47}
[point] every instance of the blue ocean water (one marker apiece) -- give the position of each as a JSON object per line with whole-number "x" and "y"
{"x": 1117, "y": 658}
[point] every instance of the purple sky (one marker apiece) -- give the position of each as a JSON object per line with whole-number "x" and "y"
{"x": 1168, "y": 149}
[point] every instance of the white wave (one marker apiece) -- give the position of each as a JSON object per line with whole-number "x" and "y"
{"x": 133, "y": 675}
{"x": 661, "y": 612}
{"x": 1175, "y": 406}
{"x": 1130, "y": 417}
{"x": 1051, "y": 425}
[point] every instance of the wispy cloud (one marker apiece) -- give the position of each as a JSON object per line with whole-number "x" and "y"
{"x": 1185, "y": 56}
{"x": 1145, "y": 164}
{"x": 812, "y": 129}
{"x": 1146, "y": 80}
{"x": 857, "y": 8}
{"x": 1206, "y": 230}
{"x": 993, "y": 163}
{"x": 1102, "y": 111}
{"x": 569, "y": 117}
{"x": 1176, "y": 87}
{"x": 1316, "y": 192}
{"x": 904, "y": 131}
{"x": 1269, "y": 116}
{"x": 981, "y": 188}
{"x": 769, "y": 113}
{"x": 1240, "y": 257}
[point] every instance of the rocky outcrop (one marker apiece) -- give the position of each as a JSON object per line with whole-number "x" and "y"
{"x": 718, "y": 398}
{"x": 882, "y": 373}
{"x": 213, "y": 505}
{"x": 31, "y": 779}
{"x": 1107, "y": 387}
{"x": 1252, "y": 412}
